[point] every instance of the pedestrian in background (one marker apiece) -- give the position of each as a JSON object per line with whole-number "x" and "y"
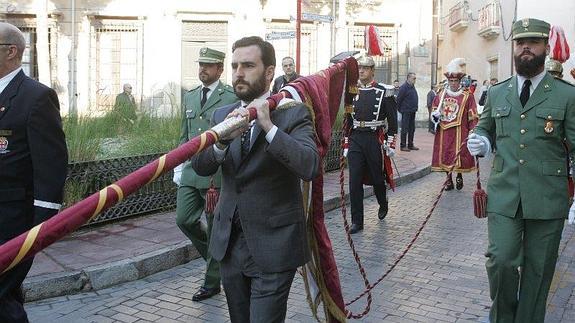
{"x": 199, "y": 105}
{"x": 288, "y": 66}
{"x": 430, "y": 97}
{"x": 527, "y": 117}
{"x": 407, "y": 104}
{"x": 125, "y": 106}
{"x": 33, "y": 159}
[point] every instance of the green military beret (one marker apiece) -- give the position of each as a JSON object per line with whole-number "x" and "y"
{"x": 211, "y": 56}
{"x": 530, "y": 28}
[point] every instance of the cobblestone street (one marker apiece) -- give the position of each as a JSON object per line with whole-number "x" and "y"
{"x": 442, "y": 278}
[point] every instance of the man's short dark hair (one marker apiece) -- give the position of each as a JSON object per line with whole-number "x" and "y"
{"x": 267, "y": 49}
{"x": 494, "y": 79}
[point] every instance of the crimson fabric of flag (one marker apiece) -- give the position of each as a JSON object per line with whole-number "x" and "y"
{"x": 373, "y": 44}
{"x": 558, "y": 44}
{"x": 323, "y": 92}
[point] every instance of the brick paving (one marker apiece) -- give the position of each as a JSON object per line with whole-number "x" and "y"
{"x": 441, "y": 279}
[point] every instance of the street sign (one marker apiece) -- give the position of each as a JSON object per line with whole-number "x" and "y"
{"x": 315, "y": 17}
{"x": 280, "y": 35}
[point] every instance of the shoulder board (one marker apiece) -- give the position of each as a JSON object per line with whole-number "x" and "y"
{"x": 228, "y": 88}
{"x": 504, "y": 81}
{"x": 197, "y": 87}
{"x": 564, "y": 81}
{"x": 287, "y": 105}
{"x": 388, "y": 89}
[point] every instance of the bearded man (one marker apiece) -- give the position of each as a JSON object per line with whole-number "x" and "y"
{"x": 259, "y": 233}
{"x": 527, "y": 117}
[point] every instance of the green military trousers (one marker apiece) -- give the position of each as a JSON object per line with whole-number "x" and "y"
{"x": 189, "y": 209}
{"x": 521, "y": 256}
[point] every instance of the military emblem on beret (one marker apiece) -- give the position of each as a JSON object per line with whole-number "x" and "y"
{"x": 525, "y": 22}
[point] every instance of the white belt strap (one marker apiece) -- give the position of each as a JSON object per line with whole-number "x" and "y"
{"x": 47, "y": 205}
{"x": 362, "y": 124}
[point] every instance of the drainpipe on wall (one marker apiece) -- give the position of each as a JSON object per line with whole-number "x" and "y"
{"x": 73, "y": 111}
{"x": 42, "y": 48}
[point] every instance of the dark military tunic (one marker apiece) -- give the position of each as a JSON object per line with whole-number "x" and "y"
{"x": 374, "y": 117}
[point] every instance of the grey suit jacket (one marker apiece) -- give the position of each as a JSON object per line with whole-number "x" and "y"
{"x": 265, "y": 189}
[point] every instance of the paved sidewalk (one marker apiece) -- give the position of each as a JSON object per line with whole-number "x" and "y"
{"x": 441, "y": 279}
{"x": 135, "y": 248}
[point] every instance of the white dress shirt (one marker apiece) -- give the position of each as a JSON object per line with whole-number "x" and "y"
{"x": 534, "y": 82}
{"x": 8, "y": 78}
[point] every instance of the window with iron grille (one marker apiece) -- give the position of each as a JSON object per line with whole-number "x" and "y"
{"x": 30, "y": 58}
{"x": 116, "y": 58}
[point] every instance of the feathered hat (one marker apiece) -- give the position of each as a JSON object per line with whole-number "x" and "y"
{"x": 455, "y": 68}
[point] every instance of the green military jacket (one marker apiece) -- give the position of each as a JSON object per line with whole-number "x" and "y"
{"x": 529, "y": 166}
{"x": 197, "y": 120}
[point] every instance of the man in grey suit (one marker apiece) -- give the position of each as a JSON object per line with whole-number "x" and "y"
{"x": 259, "y": 231}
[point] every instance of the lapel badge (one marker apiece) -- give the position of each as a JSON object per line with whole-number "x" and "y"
{"x": 546, "y": 86}
{"x": 3, "y": 145}
{"x": 549, "y": 127}
{"x": 2, "y": 109}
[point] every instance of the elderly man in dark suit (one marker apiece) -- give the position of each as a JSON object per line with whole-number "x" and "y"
{"x": 34, "y": 161}
{"x": 259, "y": 224}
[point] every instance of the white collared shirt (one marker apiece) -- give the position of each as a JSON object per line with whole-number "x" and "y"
{"x": 212, "y": 88}
{"x": 8, "y": 78}
{"x": 534, "y": 82}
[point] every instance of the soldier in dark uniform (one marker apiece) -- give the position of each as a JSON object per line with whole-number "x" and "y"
{"x": 372, "y": 127}
{"x": 33, "y": 161}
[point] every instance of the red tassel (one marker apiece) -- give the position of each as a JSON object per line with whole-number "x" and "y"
{"x": 479, "y": 197}
{"x": 212, "y": 196}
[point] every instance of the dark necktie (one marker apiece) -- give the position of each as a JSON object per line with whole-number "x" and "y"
{"x": 524, "y": 97}
{"x": 246, "y": 142}
{"x": 205, "y": 91}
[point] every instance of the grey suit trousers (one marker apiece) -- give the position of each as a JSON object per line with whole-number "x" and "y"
{"x": 252, "y": 295}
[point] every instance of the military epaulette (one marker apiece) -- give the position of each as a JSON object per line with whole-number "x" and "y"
{"x": 388, "y": 89}
{"x": 197, "y": 87}
{"x": 228, "y": 88}
{"x": 287, "y": 105}
{"x": 562, "y": 80}
{"x": 504, "y": 81}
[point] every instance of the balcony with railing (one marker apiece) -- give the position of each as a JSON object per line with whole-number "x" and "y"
{"x": 489, "y": 26}
{"x": 458, "y": 17}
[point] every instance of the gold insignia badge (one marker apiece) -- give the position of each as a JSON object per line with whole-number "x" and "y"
{"x": 525, "y": 22}
{"x": 548, "y": 127}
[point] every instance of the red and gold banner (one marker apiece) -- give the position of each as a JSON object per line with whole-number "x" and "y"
{"x": 321, "y": 91}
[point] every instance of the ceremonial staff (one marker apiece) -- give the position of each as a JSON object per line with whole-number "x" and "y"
{"x": 44, "y": 234}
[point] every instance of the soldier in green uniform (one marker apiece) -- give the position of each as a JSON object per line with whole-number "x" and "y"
{"x": 199, "y": 104}
{"x": 526, "y": 118}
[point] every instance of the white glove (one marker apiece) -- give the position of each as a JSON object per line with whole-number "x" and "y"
{"x": 571, "y": 218}
{"x": 390, "y": 152}
{"x": 435, "y": 116}
{"x": 178, "y": 174}
{"x": 478, "y": 145}
{"x": 345, "y": 152}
